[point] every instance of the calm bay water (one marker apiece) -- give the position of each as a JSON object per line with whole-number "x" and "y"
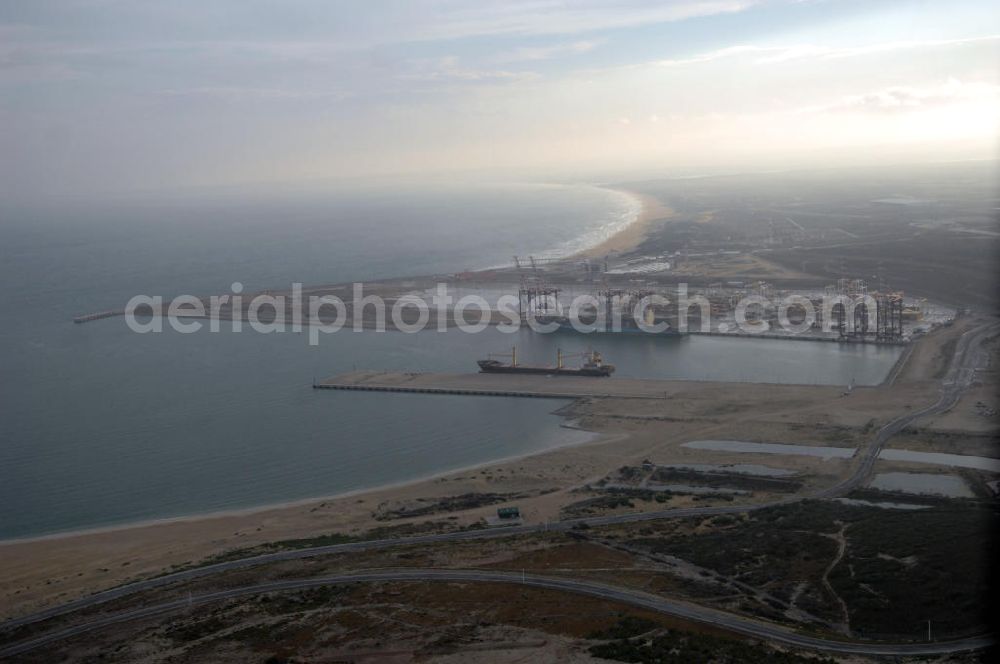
{"x": 101, "y": 426}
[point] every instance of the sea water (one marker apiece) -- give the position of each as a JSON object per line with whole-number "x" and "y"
{"x": 102, "y": 426}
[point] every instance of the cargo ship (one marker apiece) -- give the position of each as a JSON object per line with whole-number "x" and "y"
{"x": 593, "y": 365}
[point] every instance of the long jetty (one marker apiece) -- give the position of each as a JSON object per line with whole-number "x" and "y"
{"x": 537, "y": 386}
{"x": 86, "y": 318}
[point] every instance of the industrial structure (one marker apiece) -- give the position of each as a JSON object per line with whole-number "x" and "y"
{"x": 858, "y": 314}
{"x": 534, "y": 296}
{"x": 884, "y": 324}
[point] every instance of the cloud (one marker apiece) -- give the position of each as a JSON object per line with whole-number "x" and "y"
{"x": 240, "y": 94}
{"x": 60, "y": 46}
{"x": 317, "y": 27}
{"x": 769, "y": 55}
{"x": 900, "y": 99}
{"x": 449, "y": 68}
{"x": 458, "y": 84}
{"x": 532, "y": 53}
{"x": 455, "y": 20}
{"x": 711, "y": 56}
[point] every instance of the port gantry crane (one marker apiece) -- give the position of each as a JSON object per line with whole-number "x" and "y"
{"x": 534, "y": 296}
{"x": 856, "y": 323}
{"x": 626, "y": 301}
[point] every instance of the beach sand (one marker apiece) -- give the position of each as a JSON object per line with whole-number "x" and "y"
{"x": 51, "y": 570}
{"x": 40, "y": 572}
{"x": 47, "y": 571}
{"x": 628, "y": 239}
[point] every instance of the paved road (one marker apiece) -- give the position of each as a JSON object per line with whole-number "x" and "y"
{"x": 739, "y": 624}
{"x": 968, "y": 356}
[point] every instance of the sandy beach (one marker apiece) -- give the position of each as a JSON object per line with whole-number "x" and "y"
{"x": 49, "y": 570}
{"x": 629, "y": 238}
{"x": 40, "y": 572}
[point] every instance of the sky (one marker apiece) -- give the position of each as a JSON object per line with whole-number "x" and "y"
{"x": 106, "y": 96}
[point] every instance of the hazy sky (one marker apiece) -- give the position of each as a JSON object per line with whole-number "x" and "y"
{"x": 105, "y": 95}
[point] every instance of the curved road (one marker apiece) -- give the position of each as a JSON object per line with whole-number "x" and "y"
{"x": 967, "y": 357}
{"x": 742, "y": 625}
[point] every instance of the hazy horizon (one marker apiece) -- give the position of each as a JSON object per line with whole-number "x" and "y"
{"x": 106, "y": 97}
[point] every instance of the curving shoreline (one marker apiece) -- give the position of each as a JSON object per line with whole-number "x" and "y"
{"x": 42, "y": 572}
{"x": 389, "y": 489}
{"x": 629, "y": 238}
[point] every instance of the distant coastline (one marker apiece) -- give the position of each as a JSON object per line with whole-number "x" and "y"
{"x": 632, "y": 236}
{"x": 626, "y": 237}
